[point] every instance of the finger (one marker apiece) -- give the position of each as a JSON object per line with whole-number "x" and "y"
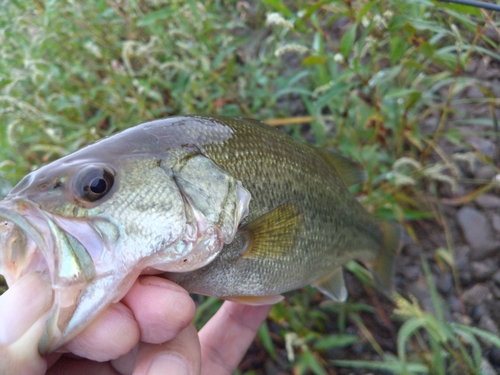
{"x": 161, "y": 307}
{"x": 79, "y": 366}
{"x": 180, "y": 356}
{"x": 114, "y": 333}
{"x": 23, "y": 312}
{"x": 226, "y": 337}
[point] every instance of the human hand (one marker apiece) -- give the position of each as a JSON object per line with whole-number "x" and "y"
{"x": 148, "y": 332}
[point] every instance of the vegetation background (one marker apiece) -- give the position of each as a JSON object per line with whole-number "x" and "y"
{"x": 408, "y": 88}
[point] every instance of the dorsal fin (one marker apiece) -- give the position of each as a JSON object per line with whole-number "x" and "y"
{"x": 274, "y": 233}
{"x": 350, "y": 172}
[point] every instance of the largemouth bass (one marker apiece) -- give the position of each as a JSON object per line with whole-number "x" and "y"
{"x": 226, "y": 207}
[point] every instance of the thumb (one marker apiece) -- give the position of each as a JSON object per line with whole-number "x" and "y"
{"x": 23, "y": 312}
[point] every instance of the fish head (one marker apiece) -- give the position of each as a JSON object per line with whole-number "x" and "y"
{"x": 93, "y": 221}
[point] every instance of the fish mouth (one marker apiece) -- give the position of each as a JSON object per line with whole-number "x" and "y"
{"x": 32, "y": 240}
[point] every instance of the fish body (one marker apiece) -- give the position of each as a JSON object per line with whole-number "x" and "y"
{"x": 226, "y": 207}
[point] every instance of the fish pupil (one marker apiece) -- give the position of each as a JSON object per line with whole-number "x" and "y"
{"x": 98, "y": 186}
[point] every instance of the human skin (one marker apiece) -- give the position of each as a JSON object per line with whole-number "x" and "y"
{"x": 149, "y": 331}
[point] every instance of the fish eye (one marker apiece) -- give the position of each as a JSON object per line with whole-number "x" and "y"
{"x": 94, "y": 184}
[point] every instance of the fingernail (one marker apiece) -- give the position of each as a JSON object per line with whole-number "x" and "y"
{"x": 168, "y": 364}
{"x": 22, "y": 305}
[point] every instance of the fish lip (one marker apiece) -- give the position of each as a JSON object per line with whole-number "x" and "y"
{"x": 68, "y": 264}
{"x": 9, "y": 210}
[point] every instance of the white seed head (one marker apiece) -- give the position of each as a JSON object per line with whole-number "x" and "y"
{"x": 339, "y": 58}
{"x": 296, "y": 48}
{"x": 276, "y": 19}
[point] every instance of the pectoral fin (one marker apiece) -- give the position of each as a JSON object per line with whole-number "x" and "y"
{"x": 256, "y": 300}
{"x": 333, "y": 285}
{"x": 273, "y": 234}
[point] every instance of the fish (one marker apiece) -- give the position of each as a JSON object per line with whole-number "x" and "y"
{"x": 224, "y": 206}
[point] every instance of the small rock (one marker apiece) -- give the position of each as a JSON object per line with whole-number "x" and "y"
{"x": 401, "y": 262}
{"x": 475, "y": 93}
{"x": 462, "y": 319}
{"x": 474, "y": 226}
{"x": 495, "y": 290}
{"x": 461, "y": 254}
{"x": 486, "y": 250}
{"x": 420, "y": 290}
{"x": 412, "y": 272}
{"x": 465, "y": 277}
{"x": 484, "y": 146}
{"x": 495, "y": 355}
{"x": 488, "y": 201}
{"x": 475, "y": 295}
{"x": 493, "y": 306}
{"x": 430, "y": 124}
{"x": 485, "y": 173}
{"x": 482, "y": 271}
{"x": 486, "y": 368}
{"x": 454, "y": 303}
{"x": 445, "y": 283}
{"x": 495, "y": 222}
{"x": 488, "y": 324}
{"x": 471, "y": 66}
{"x": 477, "y": 312}
{"x": 413, "y": 250}
{"x": 496, "y": 278}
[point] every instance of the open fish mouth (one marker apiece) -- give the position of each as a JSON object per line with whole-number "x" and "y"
{"x": 32, "y": 240}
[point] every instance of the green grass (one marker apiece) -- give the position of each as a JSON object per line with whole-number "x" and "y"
{"x": 361, "y": 77}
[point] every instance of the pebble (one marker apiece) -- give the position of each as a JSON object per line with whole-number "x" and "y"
{"x": 462, "y": 319}
{"x": 412, "y": 273}
{"x": 485, "y": 173}
{"x": 488, "y": 201}
{"x": 496, "y": 278}
{"x": 486, "y": 250}
{"x": 482, "y": 271}
{"x": 420, "y": 290}
{"x": 495, "y": 355}
{"x": 465, "y": 276}
{"x": 477, "y": 312}
{"x": 461, "y": 255}
{"x": 474, "y": 226}
{"x": 413, "y": 250}
{"x": 488, "y": 324}
{"x": 445, "y": 282}
{"x": 486, "y": 368}
{"x": 475, "y": 93}
{"x": 495, "y": 291}
{"x": 484, "y": 146}
{"x": 475, "y": 295}
{"x": 493, "y": 306}
{"x": 430, "y": 124}
{"x": 495, "y": 222}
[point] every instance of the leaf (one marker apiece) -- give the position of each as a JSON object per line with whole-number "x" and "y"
{"x": 405, "y": 332}
{"x": 347, "y": 41}
{"x": 267, "y": 341}
{"x": 391, "y": 367}
{"x": 314, "y": 60}
{"x": 157, "y": 15}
